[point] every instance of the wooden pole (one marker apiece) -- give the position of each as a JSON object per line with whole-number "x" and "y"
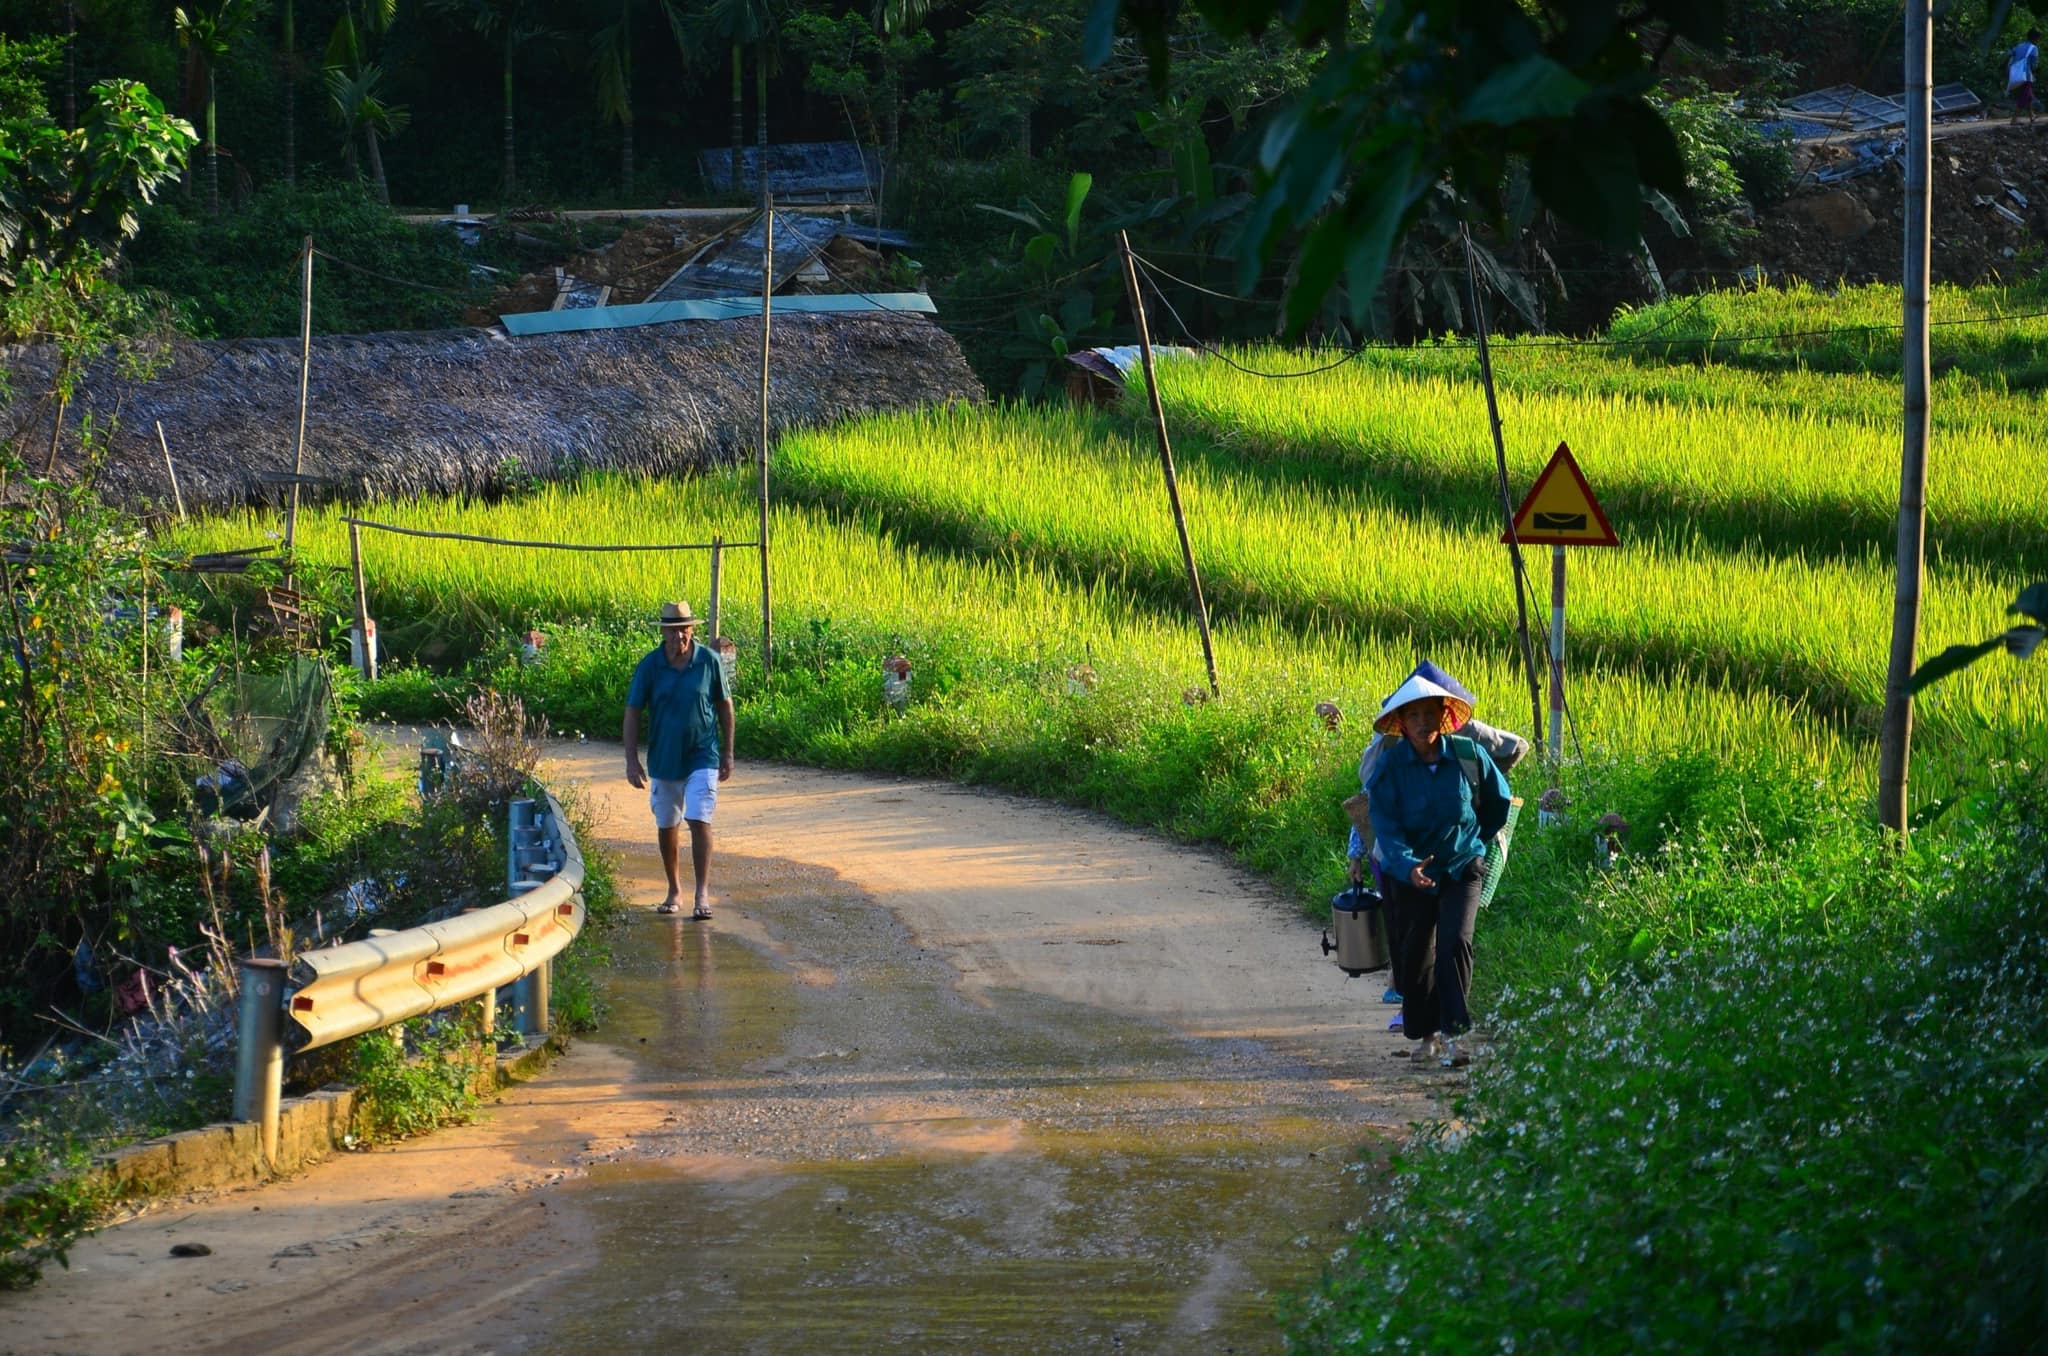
{"x": 1895, "y": 749}
{"x": 366, "y": 637}
{"x": 717, "y": 565}
{"x": 1180, "y": 522}
{"x": 291, "y": 521}
{"x": 1507, "y": 501}
{"x": 767, "y": 290}
{"x": 176, "y": 497}
{"x": 56, "y": 432}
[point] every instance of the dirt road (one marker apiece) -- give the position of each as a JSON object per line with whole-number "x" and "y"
{"x": 948, "y": 1071}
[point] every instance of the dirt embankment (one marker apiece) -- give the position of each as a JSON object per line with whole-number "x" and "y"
{"x": 1990, "y": 195}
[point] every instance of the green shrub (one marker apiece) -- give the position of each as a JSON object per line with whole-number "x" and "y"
{"x": 237, "y": 274}
{"x": 415, "y": 1076}
{"x": 47, "y": 1202}
{"x": 1812, "y": 1123}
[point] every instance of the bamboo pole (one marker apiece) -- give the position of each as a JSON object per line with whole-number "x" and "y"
{"x": 514, "y": 541}
{"x": 176, "y": 497}
{"x": 1180, "y": 522}
{"x": 1895, "y": 748}
{"x": 717, "y": 565}
{"x": 767, "y": 291}
{"x": 1507, "y": 502}
{"x": 56, "y": 432}
{"x": 365, "y": 637}
{"x": 291, "y": 521}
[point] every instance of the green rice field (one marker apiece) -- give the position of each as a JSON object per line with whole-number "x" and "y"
{"x": 1346, "y": 523}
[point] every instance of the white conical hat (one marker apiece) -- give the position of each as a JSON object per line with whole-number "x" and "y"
{"x": 1457, "y": 707}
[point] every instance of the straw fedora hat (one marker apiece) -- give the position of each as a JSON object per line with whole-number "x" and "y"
{"x": 677, "y": 614}
{"x": 1420, "y": 686}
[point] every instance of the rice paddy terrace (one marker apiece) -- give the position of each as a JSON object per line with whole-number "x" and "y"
{"x": 1345, "y": 522}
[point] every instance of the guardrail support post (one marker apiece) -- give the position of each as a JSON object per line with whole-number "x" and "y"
{"x": 259, "y": 1048}
{"x": 530, "y": 1002}
{"x": 518, "y": 817}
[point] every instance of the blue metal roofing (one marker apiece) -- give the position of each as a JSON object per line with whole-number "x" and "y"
{"x": 712, "y": 308}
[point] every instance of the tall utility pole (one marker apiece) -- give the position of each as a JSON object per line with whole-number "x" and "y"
{"x": 1896, "y": 749}
{"x": 767, "y": 293}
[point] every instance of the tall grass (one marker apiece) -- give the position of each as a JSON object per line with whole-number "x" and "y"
{"x": 1730, "y": 474}
{"x": 1810, "y": 630}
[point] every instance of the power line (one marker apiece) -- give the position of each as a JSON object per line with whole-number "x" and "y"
{"x": 1225, "y": 358}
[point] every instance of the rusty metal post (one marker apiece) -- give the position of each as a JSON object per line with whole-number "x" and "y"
{"x": 259, "y": 1048}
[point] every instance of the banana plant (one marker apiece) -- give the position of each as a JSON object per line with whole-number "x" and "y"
{"x": 1068, "y": 284}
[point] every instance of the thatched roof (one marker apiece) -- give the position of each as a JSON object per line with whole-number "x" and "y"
{"x": 453, "y": 410}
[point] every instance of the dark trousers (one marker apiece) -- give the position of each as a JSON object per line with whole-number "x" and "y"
{"x": 1433, "y": 953}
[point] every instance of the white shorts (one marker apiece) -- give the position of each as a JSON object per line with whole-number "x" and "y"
{"x": 694, "y": 797}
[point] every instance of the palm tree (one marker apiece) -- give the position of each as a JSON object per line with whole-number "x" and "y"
{"x": 207, "y": 33}
{"x": 355, "y": 107}
{"x": 510, "y": 23}
{"x": 756, "y": 24}
{"x": 288, "y": 76}
{"x": 612, "y": 53}
{"x": 352, "y": 77}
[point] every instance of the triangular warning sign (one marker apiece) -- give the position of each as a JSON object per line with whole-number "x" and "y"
{"x": 1560, "y": 509}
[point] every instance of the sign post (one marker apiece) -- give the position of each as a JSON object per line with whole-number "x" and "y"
{"x": 1559, "y": 511}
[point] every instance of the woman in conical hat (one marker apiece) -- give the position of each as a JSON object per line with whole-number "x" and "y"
{"x": 1433, "y": 809}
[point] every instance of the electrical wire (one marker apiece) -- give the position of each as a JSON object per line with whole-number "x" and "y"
{"x": 1217, "y": 353}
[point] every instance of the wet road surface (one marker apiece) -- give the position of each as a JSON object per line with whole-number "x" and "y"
{"x": 949, "y": 1072}
{"x": 860, "y": 1159}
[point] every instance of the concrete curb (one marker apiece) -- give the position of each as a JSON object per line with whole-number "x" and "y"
{"x": 229, "y": 1154}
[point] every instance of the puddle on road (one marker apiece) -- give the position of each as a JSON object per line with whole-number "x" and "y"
{"x": 873, "y": 1164}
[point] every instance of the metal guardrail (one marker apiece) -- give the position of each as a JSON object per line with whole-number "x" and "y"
{"x": 340, "y": 991}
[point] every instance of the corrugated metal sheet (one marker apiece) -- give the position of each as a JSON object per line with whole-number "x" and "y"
{"x": 710, "y": 308}
{"x": 1115, "y": 363}
{"x": 731, "y": 265}
{"x": 1862, "y": 110}
{"x": 799, "y": 171}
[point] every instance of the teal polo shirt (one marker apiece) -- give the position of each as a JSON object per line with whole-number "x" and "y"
{"x": 681, "y": 711}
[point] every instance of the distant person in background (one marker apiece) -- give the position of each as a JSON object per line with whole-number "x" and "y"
{"x": 2020, "y": 65}
{"x": 1505, "y": 747}
{"x": 1436, "y": 801}
{"x": 680, "y": 688}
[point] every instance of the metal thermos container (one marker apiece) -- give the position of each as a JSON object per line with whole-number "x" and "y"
{"x": 1358, "y": 918}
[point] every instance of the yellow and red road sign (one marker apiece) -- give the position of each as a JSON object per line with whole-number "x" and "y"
{"x": 1560, "y": 509}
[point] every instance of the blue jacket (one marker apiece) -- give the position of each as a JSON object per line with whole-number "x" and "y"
{"x": 1430, "y": 810}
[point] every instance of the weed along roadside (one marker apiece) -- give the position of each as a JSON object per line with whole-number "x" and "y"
{"x": 381, "y": 1038}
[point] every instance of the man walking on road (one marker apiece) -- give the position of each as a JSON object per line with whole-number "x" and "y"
{"x": 681, "y": 688}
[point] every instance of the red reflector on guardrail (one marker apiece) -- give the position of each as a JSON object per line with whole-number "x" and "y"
{"x": 436, "y": 968}
{"x": 520, "y": 939}
{"x": 302, "y": 1005}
